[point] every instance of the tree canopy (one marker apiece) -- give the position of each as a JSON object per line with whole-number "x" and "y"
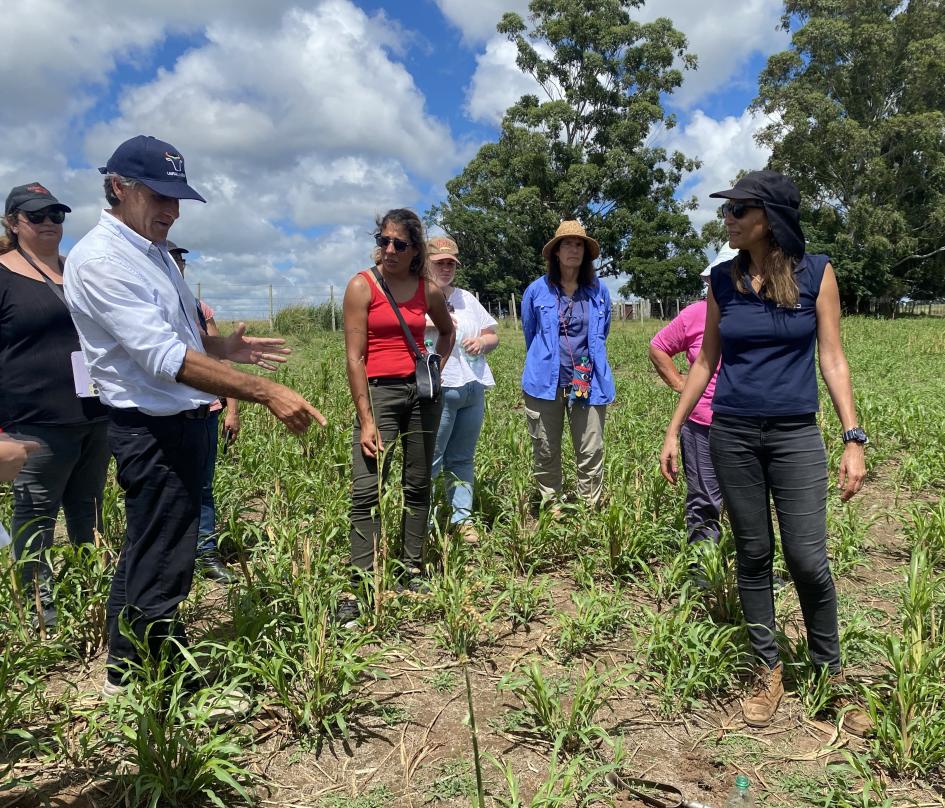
{"x": 581, "y": 150}
{"x": 857, "y": 119}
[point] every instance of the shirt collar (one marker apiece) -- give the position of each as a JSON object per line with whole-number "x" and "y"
{"x": 139, "y": 242}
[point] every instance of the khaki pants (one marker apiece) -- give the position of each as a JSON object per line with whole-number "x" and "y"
{"x": 545, "y": 425}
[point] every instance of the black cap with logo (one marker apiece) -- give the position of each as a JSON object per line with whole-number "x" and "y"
{"x": 32, "y": 197}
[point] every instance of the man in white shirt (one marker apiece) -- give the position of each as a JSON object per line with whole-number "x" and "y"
{"x": 137, "y": 325}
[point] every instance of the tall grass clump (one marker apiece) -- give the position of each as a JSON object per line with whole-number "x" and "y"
{"x": 303, "y": 321}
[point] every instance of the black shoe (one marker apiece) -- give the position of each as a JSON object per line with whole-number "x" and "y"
{"x": 348, "y": 613}
{"x": 413, "y": 580}
{"x": 211, "y": 566}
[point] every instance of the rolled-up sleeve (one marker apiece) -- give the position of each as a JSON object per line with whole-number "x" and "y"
{"x": 123, "y": 304}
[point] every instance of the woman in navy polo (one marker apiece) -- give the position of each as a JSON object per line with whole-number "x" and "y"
{"x": 767, "y": 310}
{"x": 566, "y": 320}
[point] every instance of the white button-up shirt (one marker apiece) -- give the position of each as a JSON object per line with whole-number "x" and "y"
{"x": 136, "y": 319}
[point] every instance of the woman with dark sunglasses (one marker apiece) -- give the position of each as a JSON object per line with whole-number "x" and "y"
{"x": 38, "y": 398}
{"x": 381, "y": 374}
{"x": 768, "y": 308}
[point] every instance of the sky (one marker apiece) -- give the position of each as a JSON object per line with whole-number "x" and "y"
{"x": 302, "y": 120}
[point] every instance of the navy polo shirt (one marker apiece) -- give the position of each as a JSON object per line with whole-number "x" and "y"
{"x": 767, "y": 351}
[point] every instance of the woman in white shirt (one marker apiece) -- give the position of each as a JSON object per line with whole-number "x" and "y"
{"x": 466, "y": 377}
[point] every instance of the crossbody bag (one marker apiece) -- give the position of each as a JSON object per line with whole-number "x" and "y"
{"x": 428, "y": 364}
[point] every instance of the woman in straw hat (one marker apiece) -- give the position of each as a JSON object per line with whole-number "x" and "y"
{"x": 566, "y": 320}
{"x": 768, "y": 309}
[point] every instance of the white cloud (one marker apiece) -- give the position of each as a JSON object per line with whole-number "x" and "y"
{"x": 497, "y": 83}
{"x": 722, "y": 35}
{"x": 477, "y": 21}
{"x": 299, "y": 126}
{"x": 724, "y": 146}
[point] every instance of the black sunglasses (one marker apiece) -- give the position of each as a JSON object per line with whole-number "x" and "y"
{"x": 383, "y": 241}
{"x": 55, "y": 215}
{"x": 738, "y": 209}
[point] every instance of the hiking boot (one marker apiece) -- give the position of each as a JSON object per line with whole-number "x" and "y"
{"x": 853, "y": 718}
{"x": 467, "y": 532}
{"x": 348, "y": 613}
{"x": 759, "y": 708}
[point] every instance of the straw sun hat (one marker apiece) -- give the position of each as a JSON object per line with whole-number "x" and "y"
{"x": 571, "y": 229}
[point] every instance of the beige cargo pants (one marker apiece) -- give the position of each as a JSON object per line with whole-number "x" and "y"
{"x": 545, "y": 425}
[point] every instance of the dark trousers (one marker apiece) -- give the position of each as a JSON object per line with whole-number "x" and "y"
{"x": 207, "y": 526}
{"x": 703, "y": 497}
{"x": 69, "y": 471}
{"x": 398, "y": 412}
{"x": 161, "y": 463}
{"x": 758, "y": 459}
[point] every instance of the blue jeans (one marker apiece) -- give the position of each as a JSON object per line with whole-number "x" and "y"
{"x": 207, "y": 527}
{"x": 463, "y": 410}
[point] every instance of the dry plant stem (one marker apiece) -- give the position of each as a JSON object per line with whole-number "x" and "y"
{"x": 39, "y": 609}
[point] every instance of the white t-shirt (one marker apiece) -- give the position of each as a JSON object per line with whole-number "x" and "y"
{"x": 470, "y": 318}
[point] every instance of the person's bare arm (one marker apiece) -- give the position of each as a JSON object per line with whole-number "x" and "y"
{"x": 231, "y": 421}
{"x": 355, "y": 314}
{"x": 836, "y": 373}
{"x": 700, "y": 374}
{"x": 213, "y": 376}
{"x": 440, "y": 315}
{"x": 667, "y": 369}
{"x": 487, "y": 341}
{"x": 13, "y": 455}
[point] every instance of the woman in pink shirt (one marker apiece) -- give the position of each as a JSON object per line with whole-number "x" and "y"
{"x": 684, "y": 334}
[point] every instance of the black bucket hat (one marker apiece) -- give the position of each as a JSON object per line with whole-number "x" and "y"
{"x": 782, "y": 202}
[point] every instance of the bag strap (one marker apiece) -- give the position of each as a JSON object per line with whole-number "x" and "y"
{"x": 393, "y": 304}
{"x": 49, "y": 281}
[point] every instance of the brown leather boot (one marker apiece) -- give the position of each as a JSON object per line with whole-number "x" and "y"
{"x": 759, "y": 708}
{"x": 853, "y": 718}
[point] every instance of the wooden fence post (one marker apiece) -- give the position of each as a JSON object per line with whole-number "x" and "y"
{"x": 270, "y": 306}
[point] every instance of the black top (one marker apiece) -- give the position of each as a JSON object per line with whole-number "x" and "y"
{"x": 37, "y": 338}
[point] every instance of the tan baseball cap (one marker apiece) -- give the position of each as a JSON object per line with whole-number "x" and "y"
{"x": 440, "y": 248}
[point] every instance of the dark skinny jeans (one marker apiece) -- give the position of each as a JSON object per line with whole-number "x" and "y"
{"x": 756, "y": 460}
{"x": 397, "y": 412}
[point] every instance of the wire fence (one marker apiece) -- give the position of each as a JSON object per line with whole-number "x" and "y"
{"x": 235, "y": 301}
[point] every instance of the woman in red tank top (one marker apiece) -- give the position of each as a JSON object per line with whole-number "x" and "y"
{"x": 381, "y": 366}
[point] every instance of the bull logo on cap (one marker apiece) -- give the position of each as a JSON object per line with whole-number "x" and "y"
{"x": 177, "y": 163}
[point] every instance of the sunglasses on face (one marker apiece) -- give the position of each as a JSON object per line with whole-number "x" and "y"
{"x": 384, "y": 241}
{"x": 55, "y": 215}
{"x": 738, "y": 209}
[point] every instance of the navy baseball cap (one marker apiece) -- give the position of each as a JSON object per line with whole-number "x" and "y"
{"x": 153, "y": 163}
{"x": 32, "y": 197}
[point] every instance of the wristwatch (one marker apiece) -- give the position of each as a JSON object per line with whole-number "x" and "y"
{"x": 857, "y": 435}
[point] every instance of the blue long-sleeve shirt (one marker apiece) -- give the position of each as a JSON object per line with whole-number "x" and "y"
{"x": 540, "y": 325}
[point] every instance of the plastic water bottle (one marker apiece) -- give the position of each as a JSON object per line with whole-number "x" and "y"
{"x": 740, "y": 798}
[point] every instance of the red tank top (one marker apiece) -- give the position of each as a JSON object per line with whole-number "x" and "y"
{"x": 388, "y": 353}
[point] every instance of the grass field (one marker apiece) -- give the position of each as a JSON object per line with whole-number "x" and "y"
{"x": 578, "y": 643}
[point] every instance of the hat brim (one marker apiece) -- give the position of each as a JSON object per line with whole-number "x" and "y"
{"x": 589, "y": 243}
{"x": 174, "y": 190}
{"x": 733, "y": 193}
{"x": 31, "y": 205}
{"x": 444, "y": 257}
